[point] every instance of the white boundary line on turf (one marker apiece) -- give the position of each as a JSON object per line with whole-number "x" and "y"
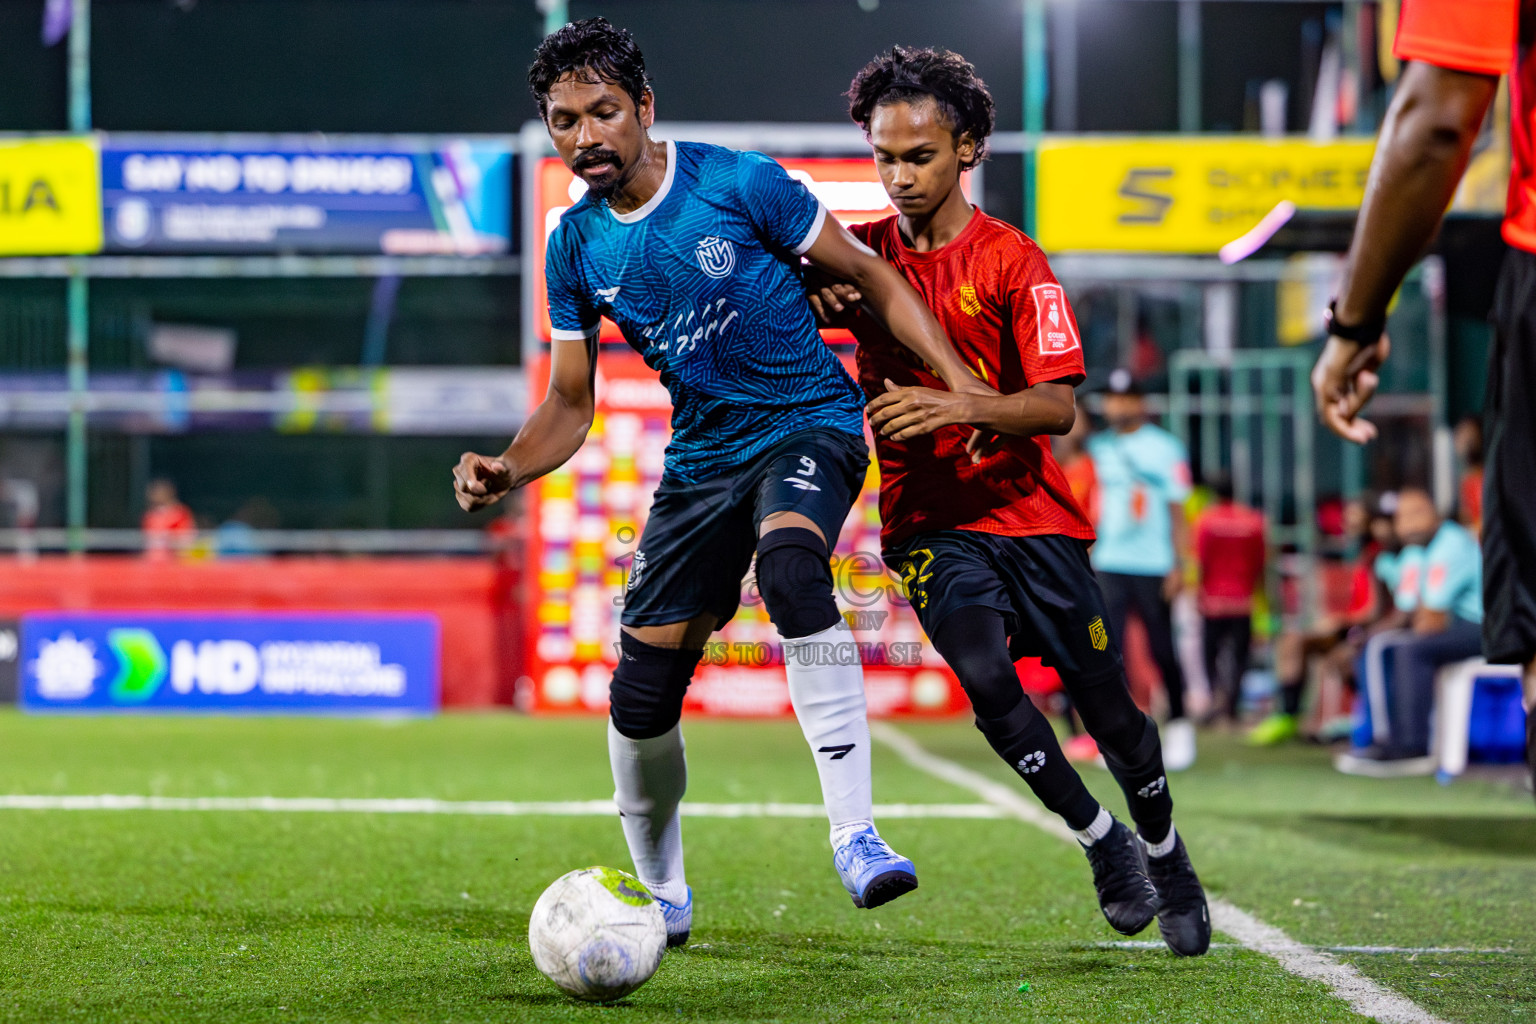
{"x": 492, "y": 808}
{"x": 1362, "y": 994}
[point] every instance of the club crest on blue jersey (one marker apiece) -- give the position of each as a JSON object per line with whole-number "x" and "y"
{"x": 717, "y": 257}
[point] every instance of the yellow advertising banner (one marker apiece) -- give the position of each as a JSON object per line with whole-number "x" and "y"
{"x": 50, "y": 197}
{"x": 1181, "y": 194}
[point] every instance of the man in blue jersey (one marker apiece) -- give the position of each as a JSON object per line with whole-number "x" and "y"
{"x": 1436, "y": 584}
{"x": 1143, "y": 474}
{"x": 694, "y": 251}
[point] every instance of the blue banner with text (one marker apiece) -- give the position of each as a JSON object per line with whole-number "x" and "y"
{"x": 230, "y": 663}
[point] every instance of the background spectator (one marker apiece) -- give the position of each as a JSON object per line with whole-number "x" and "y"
{"x": 168, "y": 525}
{"x": 1469, "y": 451}
{"x": 1229, "y": 545}
{"x": 1439, "y": 589}
{"x": 1143, "y": 474}
{"x": 1333, "y": 642}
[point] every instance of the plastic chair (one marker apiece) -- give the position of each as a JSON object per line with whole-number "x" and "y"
{"x": 1455, "y": 687}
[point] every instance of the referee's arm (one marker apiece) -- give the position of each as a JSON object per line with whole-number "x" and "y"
{"x": 1426, "y": 141}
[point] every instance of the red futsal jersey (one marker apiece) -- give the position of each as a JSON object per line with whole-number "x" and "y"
{"x": 1229, "y": 542}
{"x": 1485, "y": 37}
{"x": 1007, "y": 316}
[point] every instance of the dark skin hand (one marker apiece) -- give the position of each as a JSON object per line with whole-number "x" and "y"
{"x": 903, "y": 413}
{"x": 1426, "y": 142}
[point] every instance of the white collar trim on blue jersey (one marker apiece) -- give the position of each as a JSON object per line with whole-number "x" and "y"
{"x": 645, "y": 211}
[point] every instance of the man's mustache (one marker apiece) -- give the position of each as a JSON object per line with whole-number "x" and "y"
{"x": 597, "y": 157}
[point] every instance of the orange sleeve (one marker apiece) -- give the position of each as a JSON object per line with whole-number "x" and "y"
{"x": 1464, "y": 35}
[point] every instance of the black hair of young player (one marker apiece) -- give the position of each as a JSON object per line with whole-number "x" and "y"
{"x": 597, "y": 52}
{"x": 907, "y": 73}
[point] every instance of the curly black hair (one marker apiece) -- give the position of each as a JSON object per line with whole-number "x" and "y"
{"x": 906, "y": 73}
{"x": 596, "y": 51}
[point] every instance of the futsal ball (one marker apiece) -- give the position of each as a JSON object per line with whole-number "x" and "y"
{"x": 597, "y": 933}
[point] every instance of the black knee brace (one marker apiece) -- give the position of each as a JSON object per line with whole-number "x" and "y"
{"x": 645, "y": 698}
{"x": 795, "y": 579}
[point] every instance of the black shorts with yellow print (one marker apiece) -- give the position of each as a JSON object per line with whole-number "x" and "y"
{"x": 1044, "y": 587}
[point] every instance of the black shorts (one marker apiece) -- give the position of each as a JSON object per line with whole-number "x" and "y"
{"x": 700, "y": 538}
{"x": 1509, "y": 472}
{"x": 1044, "y": 587}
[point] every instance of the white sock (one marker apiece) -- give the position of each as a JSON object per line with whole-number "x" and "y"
{"x": 829, "y": 701}
{"x": 649, "y": 777}
{"x": 1163, "y": 848}
{"x": 1098, "y": 829}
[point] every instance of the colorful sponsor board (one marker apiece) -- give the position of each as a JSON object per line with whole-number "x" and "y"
{"x": 229, "y": 663}
{"x": 164, "y": 193}
{"x": 588, "y": 517}
{"x": 50, "y": 197}
{"x": 1184, "y": 194}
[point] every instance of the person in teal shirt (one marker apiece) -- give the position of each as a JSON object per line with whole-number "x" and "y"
{"x": 1143, "y": 477}
{"x": 1439, "y": 584}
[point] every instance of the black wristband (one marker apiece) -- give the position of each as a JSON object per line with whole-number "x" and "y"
{"x": 1360, "y": 334}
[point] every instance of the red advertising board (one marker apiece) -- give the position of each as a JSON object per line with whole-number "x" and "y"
{"x": 588, "y": 518}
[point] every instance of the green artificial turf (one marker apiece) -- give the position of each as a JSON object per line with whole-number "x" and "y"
{"x": 243, "y": 916}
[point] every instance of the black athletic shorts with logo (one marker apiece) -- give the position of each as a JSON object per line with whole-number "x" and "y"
{"x": 1044, "y": 587}
{"x": 1509, "y": 469}
{"x": 700, "y": 538}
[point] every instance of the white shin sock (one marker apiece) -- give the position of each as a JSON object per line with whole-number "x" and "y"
{"x": 828, "y": 697}
{"x": 649, "y": 778}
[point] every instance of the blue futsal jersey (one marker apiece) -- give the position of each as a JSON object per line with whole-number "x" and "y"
{"x": 703, "y": 280}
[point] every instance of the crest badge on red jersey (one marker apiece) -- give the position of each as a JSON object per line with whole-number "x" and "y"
{"x": 970, "y": 302}
{"x": 1054, "y": 326}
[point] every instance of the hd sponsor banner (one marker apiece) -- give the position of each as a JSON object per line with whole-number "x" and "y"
{"x": 237, "y": 663}
{"x": 162, "y": 194}
{"x": 1184, "y": 195}
{"x": 50, "y": 197}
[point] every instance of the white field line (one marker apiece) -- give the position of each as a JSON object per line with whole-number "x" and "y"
{"x": 492, "y": 808}
{"x": 1362, "y": 994}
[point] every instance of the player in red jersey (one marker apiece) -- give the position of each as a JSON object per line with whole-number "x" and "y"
{"x": 1230, "y": 547}
{"x": 1456, "y": 51}
{"x": 987, "y": 538}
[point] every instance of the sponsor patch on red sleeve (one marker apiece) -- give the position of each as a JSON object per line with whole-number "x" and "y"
{"x": 1053, "y": 321}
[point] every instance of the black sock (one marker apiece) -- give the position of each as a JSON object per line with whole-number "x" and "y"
{"x": 1290, "y": 699}
{"x": 1024, "y": 739}
{"x": 1140, "y": 773}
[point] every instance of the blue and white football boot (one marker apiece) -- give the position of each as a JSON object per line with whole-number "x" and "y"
{"x": 871, "y": 871}
{"x": 679, "y": 918}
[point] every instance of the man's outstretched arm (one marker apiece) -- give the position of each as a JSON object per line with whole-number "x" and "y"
{"x": 1426, "y": 141}
{"x": 894, "y": 301}
{"x": 553, "y": 432}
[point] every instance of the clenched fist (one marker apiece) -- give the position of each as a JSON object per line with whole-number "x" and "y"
{"x": 479, "y": 481}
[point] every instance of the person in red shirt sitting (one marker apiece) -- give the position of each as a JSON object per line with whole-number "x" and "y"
{"x": 168, "y": 525}
{"x": 978, "y": 519}
{"x": 1230, "y": 548}
{"x": 1335, "y": 639}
